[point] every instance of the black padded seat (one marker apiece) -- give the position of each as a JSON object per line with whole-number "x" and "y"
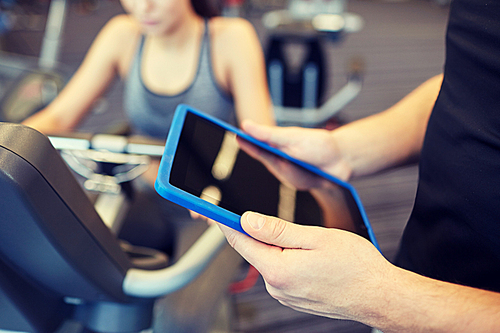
{"x": 56, "y": 254}
{"x": 59, "y": 262}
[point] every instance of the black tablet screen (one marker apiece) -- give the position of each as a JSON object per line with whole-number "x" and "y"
{"x": 216, "y": 165}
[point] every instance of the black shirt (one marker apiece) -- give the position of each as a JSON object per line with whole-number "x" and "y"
{"x": 454, "y": 231}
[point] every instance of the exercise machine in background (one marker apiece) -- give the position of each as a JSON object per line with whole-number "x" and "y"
{"x": 298, "y": 87}
{"x": 62, "y": 267}
{"x": 35, "y": 83}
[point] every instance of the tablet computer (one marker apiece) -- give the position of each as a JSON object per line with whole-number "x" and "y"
{"x": 218, "y": 171}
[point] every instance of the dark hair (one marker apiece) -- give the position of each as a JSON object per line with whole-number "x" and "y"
{"x": 206, "y": 8}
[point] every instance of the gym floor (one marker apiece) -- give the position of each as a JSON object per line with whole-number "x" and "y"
{"x": 401, "y": 44}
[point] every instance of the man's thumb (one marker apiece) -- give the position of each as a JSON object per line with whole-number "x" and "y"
{"x": 274, "y": 231}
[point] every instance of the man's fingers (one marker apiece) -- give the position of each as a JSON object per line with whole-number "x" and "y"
{"x": 274, "y": 231}
{"x": 195, "y": 216}
{"x": 272, "y": 135}
{"x": 269, "y": 246}
{"x": 258, "y": 254}
{"x": 260, "y": 132}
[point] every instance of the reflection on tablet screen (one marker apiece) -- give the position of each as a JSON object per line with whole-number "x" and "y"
{"x": 219, "y": 167}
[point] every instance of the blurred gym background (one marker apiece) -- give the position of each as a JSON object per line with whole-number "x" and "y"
{"x": 397, "y": 46}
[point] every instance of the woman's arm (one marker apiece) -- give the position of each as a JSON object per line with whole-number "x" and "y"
{"x": 239, "y": 47}
{"x": 103, "y": 61}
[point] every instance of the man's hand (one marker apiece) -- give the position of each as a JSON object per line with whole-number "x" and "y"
{"x": 282, "y": 169}
{"x": 313, "y": 146}
{"x": 337, "y": 274}
{"x": 327, "y": 272}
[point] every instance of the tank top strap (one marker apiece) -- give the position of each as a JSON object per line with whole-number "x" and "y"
{"x": 151, "y": 114}
{"x": 206, "y": 33}
{"x": 204, "y": 61}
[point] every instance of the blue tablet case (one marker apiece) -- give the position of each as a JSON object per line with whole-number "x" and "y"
{"x": 194, "y": 203}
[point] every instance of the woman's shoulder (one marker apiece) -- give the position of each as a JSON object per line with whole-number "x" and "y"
{"x": 231, "y": 29}
{"x": 118, "y": 41}
{"x": 123, "y": 27}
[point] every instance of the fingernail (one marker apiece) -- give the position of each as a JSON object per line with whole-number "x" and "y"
{"x": 256, "y": 221}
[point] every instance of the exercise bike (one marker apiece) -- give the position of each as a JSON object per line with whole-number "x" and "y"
{"x": 62, "y": 267}
{"x": 297, "y": 90}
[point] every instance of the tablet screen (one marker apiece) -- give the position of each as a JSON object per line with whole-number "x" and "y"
{"x": 218, "y": 166}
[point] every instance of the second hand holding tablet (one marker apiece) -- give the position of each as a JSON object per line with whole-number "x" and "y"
{"x": 218, "y": 171}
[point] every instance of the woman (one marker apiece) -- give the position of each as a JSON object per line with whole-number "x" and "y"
{"x": 167, "y": 52}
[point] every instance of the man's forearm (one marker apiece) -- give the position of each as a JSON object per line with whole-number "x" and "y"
{"x": 409, "y": 302}
{"x": 390, "y": 137}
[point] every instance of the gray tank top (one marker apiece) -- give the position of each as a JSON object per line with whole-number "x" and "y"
{"x": 151, "y": 114}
